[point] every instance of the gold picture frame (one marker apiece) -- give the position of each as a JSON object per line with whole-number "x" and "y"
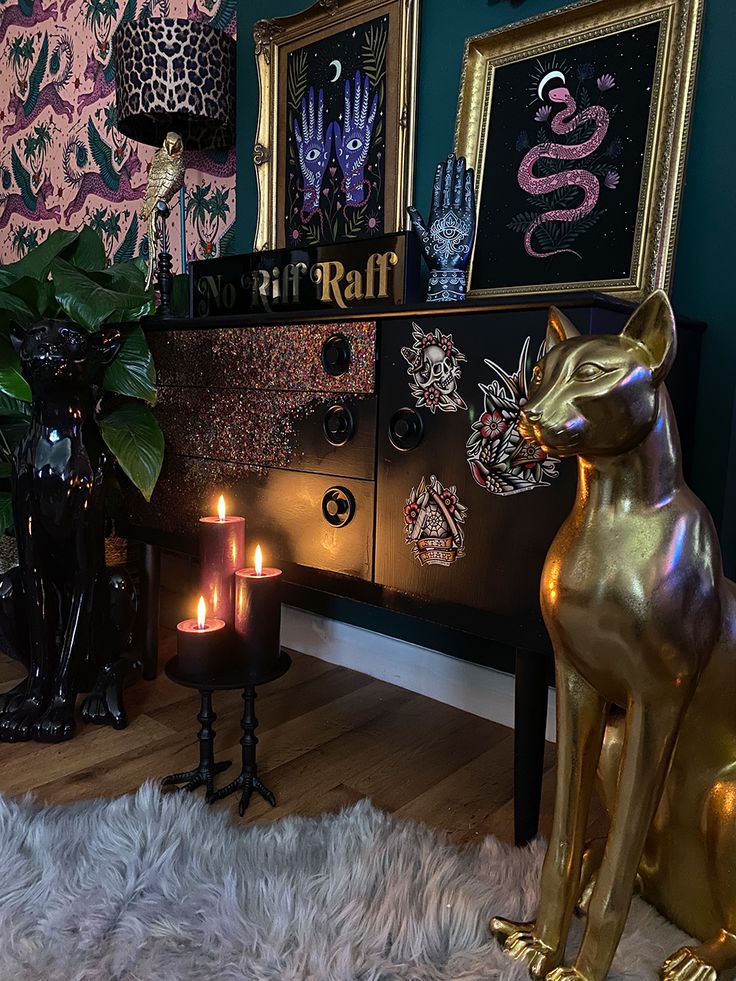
{"x": 281, "y": 47}
{"x": 656, "y": 40}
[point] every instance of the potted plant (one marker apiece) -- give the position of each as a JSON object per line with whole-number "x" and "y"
{"x": 77, "y": 385}
{"x": 67, "y": 277}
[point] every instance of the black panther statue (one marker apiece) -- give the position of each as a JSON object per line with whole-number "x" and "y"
{"x": 62, "y": 612}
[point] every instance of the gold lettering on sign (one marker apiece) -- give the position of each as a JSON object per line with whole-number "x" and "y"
{"x": 379, "y": 263}
{"x": 354, "y": 288}
{"x": 329, "y": 274}
{"x": 291, "y": 280}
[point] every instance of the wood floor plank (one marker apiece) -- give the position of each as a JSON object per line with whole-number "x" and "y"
{"x": 30, "y": 766}
{"x": 328, "y": 737}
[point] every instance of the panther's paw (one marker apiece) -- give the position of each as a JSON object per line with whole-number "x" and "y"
{"x": 685, "y": 965}
{"x": 519, "y": 941}
{"x": 16, "y": 723}
{"x": 57, "y": 722}
{"x": 566, "y": 974}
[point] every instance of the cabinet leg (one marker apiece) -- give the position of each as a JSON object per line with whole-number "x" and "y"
{"x": 150, "y": 582}
{"x": 530, "y": 722}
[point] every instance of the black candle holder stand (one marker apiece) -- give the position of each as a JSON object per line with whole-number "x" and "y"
{"x": 247, "y": 780}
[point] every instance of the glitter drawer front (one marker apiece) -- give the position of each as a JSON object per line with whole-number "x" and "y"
{"x": 272, "y": 417}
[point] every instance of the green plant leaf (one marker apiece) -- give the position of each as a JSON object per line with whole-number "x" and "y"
{"x": 12, "y": 431}
{"x": 12, "y": 308}
{"x": 88, "y": 251}
{"x": 89, "y": 304}
{"x": 132, "y": 372}
{"x": 36, "y": 294}
{"x": 134, "y": 436}
{"x": 38, "y": 261}
{"x": 6, "y": 511}
{"x": 14, "y": 408}
{"x": 124, "y": 276}
{"x": 12, "y": 381}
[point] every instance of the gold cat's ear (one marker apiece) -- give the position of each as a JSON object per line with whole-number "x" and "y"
{"x": 559, "y": 328}
{"x": 653, "y": 326}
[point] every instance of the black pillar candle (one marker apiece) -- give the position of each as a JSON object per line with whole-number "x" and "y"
{"x": 200, "y": 645}
{"x": 258, "y": 617}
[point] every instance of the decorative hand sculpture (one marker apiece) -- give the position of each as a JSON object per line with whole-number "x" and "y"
{"x": 312, "y": 150}
{"x": 447, "y": 244}
{"x": 353, "y": 142}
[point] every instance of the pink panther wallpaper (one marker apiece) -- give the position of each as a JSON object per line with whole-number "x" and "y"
{"x": 62, "y": 162}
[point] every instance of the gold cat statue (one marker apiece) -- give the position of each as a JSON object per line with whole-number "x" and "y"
{"x": 643, "y": 625}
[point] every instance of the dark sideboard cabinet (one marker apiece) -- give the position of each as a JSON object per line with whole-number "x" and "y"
{"x": 310, "y": 426}
{"x": 313, "y": 432}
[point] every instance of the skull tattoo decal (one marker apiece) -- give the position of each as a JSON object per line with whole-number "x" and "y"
{"x": 434, "y": 369}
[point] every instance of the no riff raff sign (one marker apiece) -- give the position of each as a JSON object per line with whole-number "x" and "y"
{"x": 344, "y": 276}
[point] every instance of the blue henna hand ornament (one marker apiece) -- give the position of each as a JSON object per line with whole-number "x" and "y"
{"x": 447, "y": 241}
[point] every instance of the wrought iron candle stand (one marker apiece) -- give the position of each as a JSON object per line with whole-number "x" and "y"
{"x": 248, "y": 780}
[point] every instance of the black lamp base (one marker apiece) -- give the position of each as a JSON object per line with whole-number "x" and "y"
{"x": 164, "y": 275}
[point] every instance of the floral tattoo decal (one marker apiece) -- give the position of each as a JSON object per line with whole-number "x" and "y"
{"x": 434, "y": 517}
{"x": 500, "y": 459}
{"x": 434, "y": 369}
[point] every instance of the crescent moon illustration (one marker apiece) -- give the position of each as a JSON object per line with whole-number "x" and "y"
{"x": 338, "y": 70}
{"x": 547, "y": 78}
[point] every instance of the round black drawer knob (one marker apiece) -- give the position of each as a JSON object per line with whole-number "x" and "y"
{"x": 336, "y": 355}
{"x": 338, "y": 506}
{"x": 405, "y": 430}
{"x": 338, "y": 425}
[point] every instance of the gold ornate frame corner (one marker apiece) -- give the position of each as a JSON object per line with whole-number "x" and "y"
{"x": 659, "y": 201}
{"x": 273, "y": 40}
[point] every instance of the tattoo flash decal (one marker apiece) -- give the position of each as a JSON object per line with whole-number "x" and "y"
{"x": 434, "y": 517}
{"x": 500, "y": 459}
{"x": 434, "y": 370}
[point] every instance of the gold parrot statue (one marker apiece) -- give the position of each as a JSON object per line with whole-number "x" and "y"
{"x": 165, "y": 180}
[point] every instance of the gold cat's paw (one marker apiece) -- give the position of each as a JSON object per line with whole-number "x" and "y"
{"x": 685, "y": 965}
{"x": 565, "y": 974}
{"x": 519, "y": 941}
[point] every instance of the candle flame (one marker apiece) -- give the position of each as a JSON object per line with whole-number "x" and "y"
{"x": 259, "y": 561}
{"x": 201, "y": 613}
{"x": 221, "y": 508}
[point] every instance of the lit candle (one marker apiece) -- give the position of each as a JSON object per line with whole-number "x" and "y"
{"x": 221, "y": 552}
{"x": 200, "y": 644}
{"x": 258, "y": 615}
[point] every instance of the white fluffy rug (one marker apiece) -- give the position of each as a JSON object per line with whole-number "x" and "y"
{"x": 165, "y": 888}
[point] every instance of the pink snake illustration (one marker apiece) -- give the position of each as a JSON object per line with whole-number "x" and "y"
{"x": 565, "y": 121}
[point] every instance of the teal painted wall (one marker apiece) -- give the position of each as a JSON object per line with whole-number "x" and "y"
{"x": 705, "y": 278}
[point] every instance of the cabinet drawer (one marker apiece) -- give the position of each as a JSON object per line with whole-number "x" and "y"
{"x": 288, "y": 358}
{"x": 311, "y": 431}
{"x": 287, "y": 512}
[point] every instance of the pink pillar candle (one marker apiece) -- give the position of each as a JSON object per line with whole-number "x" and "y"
{"x": 221, "y": 552}
{"x": 258, "y": 618}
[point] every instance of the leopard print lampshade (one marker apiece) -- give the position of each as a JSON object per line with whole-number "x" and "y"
{"x": 175, "y": 74}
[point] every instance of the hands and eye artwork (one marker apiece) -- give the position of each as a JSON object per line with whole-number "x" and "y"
{"x": 447, "y": 239}
{"x": 567, "y": 155}
{"x": 501, "y": 460}
{"x": 336, "y": 153}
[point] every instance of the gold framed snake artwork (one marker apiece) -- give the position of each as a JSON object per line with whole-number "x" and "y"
{"x": 576, "y": 124}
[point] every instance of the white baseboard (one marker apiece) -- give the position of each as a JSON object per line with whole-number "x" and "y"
{"x": 482, "y": 691}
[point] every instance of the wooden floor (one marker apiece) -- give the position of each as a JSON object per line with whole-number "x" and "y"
{"x": 328, "y": 737}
